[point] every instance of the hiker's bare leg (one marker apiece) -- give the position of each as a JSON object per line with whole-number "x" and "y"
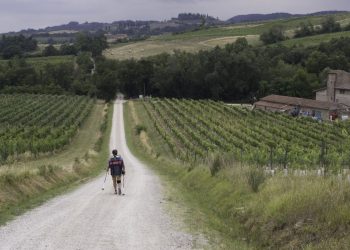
{"x": 114, "y": 178}
{"x": 119, "y": 183}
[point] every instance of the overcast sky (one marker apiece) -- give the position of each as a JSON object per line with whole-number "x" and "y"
{"x": 22, "y": 14}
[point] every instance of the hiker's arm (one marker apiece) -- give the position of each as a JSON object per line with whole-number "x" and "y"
{"x": 123, "y": 168}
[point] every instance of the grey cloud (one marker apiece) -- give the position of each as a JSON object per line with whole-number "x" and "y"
{"x": 19, "y": 14}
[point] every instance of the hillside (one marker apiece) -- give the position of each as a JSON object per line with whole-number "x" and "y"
{"x": 137, "y": 29}
{"x": 132, "y": 29}
{"x": 273, "y": 16}
{"x": 208, "y": 38}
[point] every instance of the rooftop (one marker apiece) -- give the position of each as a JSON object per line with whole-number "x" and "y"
{"x": 285, "y": 102}
{"x": 342, "y": 80}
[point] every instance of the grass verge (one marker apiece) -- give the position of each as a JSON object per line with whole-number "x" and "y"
{"x": 183, "y": 198}
{"x": 241, "y": 207}
{"x": 27, "y": 188}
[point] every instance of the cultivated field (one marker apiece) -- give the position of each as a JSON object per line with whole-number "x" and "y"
{"x": 48, "y": 143}
{"x": 195, "y": 130}
{"x": 35, "y": 124}
{"x": 251, "y": 207}
{"x": 219, "y": 36}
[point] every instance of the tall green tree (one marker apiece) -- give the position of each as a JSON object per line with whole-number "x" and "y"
{"x": 50, "y": 50}
{"x": 305, "y": 29}
{"x": 94, "y": 43}
{"x": 316, "y": 62}
{"x": 330, "y": 25}
{"x": 273, "y": 35}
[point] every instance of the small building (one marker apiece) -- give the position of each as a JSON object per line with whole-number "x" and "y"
{"x": 338, "y": 88}
{"x": 115, "y": 38}
{"x": 300, "y": 106}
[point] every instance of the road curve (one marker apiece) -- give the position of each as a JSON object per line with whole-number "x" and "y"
{"x": 89, "y": 218}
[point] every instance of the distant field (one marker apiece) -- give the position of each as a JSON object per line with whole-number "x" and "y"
{"x": 155, "y": 46}
{"x": 219, "y": 36}
{"x": 314, "y": 40}
{"x": 40, "y": 62}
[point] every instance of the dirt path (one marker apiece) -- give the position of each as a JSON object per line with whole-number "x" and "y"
{"x": 90, "y": 218}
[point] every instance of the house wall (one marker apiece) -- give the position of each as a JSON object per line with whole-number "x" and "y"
{"x": 324, "y": 114}
{"x": 331, "y": 87}
{"x": 271, "y": 109}
{"x": 322, "y": 95}
{"x": 342, "y": 92}
{"x": 266, "y": 108}
{"x": 343, "y": 98}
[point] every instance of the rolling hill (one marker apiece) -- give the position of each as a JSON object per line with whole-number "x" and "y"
{"x": 208, "y": 38}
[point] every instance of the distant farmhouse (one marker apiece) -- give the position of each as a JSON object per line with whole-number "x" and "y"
{"x": 115, "y": 38}
{"x": 338, "y": 88}
{"x": 331, "y": 102}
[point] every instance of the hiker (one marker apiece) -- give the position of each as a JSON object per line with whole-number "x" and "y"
{"x": 116, "y": 165}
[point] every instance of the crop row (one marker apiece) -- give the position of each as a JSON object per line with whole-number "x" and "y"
{"x": 255, "y": 137}
{"x": 37, "y": 124}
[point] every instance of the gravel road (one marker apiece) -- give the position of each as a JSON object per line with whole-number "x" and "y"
{"x": 89, "y": 218}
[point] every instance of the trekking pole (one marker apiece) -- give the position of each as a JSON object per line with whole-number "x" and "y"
{"x": 103, "y": 185}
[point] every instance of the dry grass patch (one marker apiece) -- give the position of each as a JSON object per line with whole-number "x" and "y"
{"x": 140, "y": 129}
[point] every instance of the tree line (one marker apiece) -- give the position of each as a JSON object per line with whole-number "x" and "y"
{"x": 84, "y": 42}
{"x": 237, "y": 72}
{"x": 277, "y": 32}
{"x": 19, "y": 46}
{"x": 11, "y": 46}
{"x": 19, "y": 76}
{"x": 72, "y": 77}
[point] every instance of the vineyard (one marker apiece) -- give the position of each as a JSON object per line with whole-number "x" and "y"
{"x": 34, "y": 124}
{"x": 195, "y": 130}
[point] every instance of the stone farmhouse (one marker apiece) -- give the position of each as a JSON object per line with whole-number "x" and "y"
{"x": 331, "y": 102}
{"x": 338, "y": 88}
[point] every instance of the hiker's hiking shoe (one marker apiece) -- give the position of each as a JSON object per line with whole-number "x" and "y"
{"x": 115, "y": 191}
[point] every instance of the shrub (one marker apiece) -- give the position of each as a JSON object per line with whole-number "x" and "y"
{"x": 139, "y": 128}
{"x": 255, "y": 178}
{"x": 347, "y": 27}
{"x": 273, "y": 35}
{"x": 44, "y": 170}
{"x": 330, "y": 25}
{"x": 217, "y": 165}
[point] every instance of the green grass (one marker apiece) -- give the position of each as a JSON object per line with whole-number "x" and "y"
{"x": 40, "y": 62}
{"x": 23, "y": 187}
{"x": 315, "y": 40}
{"x": 154, "y": 47}
{"x": 284, "y": 212}
{"x": 207, "y": 39}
